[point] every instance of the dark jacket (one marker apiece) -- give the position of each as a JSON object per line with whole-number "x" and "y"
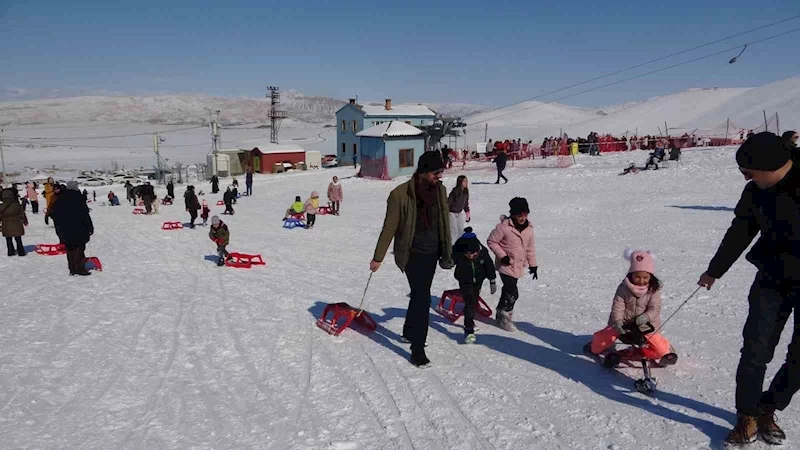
{"x": 12, "y": 216}
{"x": 458, "y": 200}
{"x": 500, "y": 160}
{"x": 248, "y": 178}
{"x": 775, "y": 213}
{"x": 190, "y": 199}
{"x": 473, "y": 272}
{"x": 71, "y": 214}
{"x": 400, "y": 223}
{"x": 147, "y": 192}
{"x": 228, "y": 197}
{"x": 171, "y": 189}
{"x": 220, "y": 233}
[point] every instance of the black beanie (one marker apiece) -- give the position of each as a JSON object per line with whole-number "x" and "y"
{"x": 430, "y": 162}
{"x": 763, "y": 151}
{"x": 518, "y": 205}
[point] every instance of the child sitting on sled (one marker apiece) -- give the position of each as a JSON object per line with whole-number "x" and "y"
{"x": 473, "y": 266}
{"x": 206, "y": 212}
{"x": 637, "y": 301}
{"x": 297, "y": 208}
{"x": 221, "y": 236}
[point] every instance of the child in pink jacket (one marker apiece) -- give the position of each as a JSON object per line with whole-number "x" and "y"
{"x": 637, "y": 301}
{"x": 513, "y": 246}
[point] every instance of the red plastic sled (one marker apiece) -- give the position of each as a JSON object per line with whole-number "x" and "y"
{"x": 141, "y": 203}
{"x": 338, "y": 316}
{"x": 138, "y": 211}
{"x": 244, "y": 261}
{"x": 220, "y": 203}
{"x": 51, "y": 249}
{"x": 95, "y": 262}
{"x": 299, "y": 216}
{"x": 165, "y": 202}
{"x": 172, "y": 226}
{"x": 324, "y": 210}
{"x": 449, "y": 301}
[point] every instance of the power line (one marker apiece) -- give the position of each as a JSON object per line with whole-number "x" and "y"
{"x": 636, "y": 66}
{"x": 631, "y": 78}
{"x": 91, "y": 138}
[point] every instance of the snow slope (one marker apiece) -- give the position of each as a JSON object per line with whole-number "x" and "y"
{"x": 164, "y": 350}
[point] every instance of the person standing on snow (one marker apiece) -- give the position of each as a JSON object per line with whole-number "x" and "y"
{"x": 170, "y": 190}
{"x": 129, "y": 193}
{"x": 228, "y": 198}
{"x": 214, "y": 184}
{"x": 73, "y": 226}
{"x": 417, "y": 220}
{"x": 769, "y": 205}
{"x": 473, "y": 266}
{"x": 12, "y": 221}
{"x": 458, "y": 206}
{"x": 335, "y": 195}
{"x": 500, "y": 160}
{"x": 514, "y": 248}
{"x": 248, "y": 182}
{"x": 50, "y": 197}
{"x": 32, "y": 196}
{"x": 192, "y": 204}
{"x": 311, "y": 208}
{"x": 221, "y": 236}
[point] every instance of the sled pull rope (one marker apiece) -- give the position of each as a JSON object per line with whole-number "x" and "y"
{"x": 361, "y": 305}
{"x": 679, "y": 308}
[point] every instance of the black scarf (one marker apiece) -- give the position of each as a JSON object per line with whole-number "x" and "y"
{"x": 427, "y": 197}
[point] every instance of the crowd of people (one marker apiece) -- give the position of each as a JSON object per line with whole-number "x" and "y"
{"x": 426, "y": 226}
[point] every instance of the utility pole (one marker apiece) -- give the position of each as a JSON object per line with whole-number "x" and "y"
{"x": 215, "y": 139}
{"x": 486, "y": 133}
{"x": 777, "y": 123}
{"x": 275, "y": 115}
{"x": 727, "y": 125}
{"x": 2, "y": 158}
{"x": 156, "y": 139}
{"x": 666, "y": 129}
{"x": 766, "y": 125}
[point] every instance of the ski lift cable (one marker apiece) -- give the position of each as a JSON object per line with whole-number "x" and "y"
{"x": 711, "y": 55}
{"x": 89, "y": 138}
{"x": 636, "y": 66}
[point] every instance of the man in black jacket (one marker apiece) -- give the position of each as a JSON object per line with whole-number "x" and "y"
{"x": 770, "y": 204}
{"x": 73, "y": 226}
{"x": 500, "y": 160}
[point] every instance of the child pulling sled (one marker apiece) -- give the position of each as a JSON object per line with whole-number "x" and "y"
{"x": 473, "y": 266}
{"x": 221, "y": 236}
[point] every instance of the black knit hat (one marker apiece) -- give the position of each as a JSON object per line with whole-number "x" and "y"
{"x": 763, "y": 151}
{"x": 518, "y": 205}
{"x": 430, "y": 162}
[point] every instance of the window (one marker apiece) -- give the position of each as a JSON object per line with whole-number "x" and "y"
{"x": 355, "y": 126}
{"x": 355, "y": 148}
{"x": 344, "y": 125}
{"x": 344, "y": 149}
{"x": 406, "y": 158}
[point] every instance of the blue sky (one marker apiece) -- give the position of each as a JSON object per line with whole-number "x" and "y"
{"x": 468, "y": 51}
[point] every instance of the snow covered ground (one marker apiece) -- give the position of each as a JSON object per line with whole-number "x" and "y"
{"x": 165, "y": 350}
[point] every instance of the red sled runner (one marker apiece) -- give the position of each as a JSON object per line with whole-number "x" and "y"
{"x": 452, "y": 298}
{"x": 220, "y": 203}
{"x": 244, "y": 261}
{"x": 50, "y": 249}
{"x": 138, "y": 211}
{"x": 324, "y": 210}
{"x": 341, "y": 316}
{"x": 172, "y": 226}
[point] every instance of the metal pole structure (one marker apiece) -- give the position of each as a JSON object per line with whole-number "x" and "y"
{"x": 666, "y": 128}
{"x": 727, "y": 125}
{"x": 2, "y": 160}
{"x": 766, "y": 126}
{"x": 778, "y": 123}
{"x": 158, "y": 158}
{"x": 486, "y": 133}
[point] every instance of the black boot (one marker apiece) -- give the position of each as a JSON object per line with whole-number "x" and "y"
{"x": 10, "y": 245}
{"x": 419, "y": 359}
{"x": 20, "y": 248}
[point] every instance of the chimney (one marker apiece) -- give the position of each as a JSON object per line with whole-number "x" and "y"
{"x": 388, "y": 104}
{"x": 352, "y": 101}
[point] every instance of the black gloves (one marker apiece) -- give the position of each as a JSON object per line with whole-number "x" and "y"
{"x": 506, "y": 261}
{"x": 533, "y": 271}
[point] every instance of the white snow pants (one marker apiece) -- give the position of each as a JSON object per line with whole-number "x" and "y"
{"x": 457, "y": 224}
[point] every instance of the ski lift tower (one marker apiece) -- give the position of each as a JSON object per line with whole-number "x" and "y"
{"x": 275, "y": 114}
{"x": 443, "y": 126}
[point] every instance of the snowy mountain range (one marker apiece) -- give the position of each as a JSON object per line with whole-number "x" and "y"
{"x": 687, "y": 110}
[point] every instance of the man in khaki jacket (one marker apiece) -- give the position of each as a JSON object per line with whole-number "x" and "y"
{"x": 417, "y": 221}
